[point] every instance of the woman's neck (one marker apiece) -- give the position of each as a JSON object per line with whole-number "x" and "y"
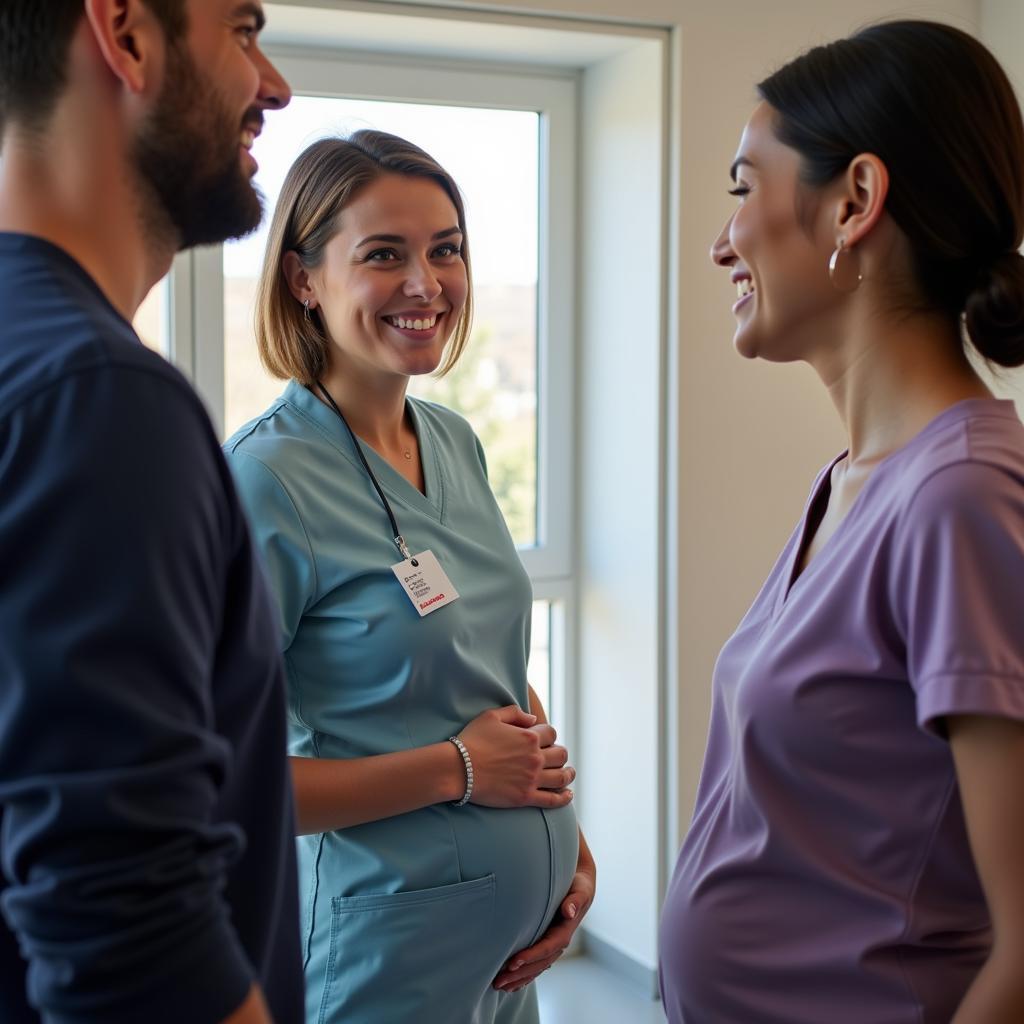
{"x": 374, "y": 407}
{"x": 889, "y": 381}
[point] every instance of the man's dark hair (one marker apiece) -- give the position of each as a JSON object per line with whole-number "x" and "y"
{"x": 937, "y": 109}
{"x": 35, "y": 36}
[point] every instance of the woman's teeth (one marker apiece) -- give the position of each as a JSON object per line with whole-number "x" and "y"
{"x": 744, "y": 286}
{"x": 412, "y": 325}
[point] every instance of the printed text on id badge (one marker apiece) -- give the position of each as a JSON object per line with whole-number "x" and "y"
{"x": 426, "y": 583}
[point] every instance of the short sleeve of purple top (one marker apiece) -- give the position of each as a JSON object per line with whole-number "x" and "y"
{"x": 826, "y": 875}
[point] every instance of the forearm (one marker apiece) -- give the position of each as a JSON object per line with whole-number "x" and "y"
{"x": 997, "y": 994}
{"x": 536, "y": 707}
{"x": 585, "y": 859}
{"x": 989, "y": 756}
{"x": 336, "y": 793}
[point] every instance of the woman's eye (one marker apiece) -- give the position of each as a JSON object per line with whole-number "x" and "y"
{"x": 739, "y": 191}
{"x": 248, "y": 34}
{"x": 449, "y": 249}
{"x": 382, "y": 256}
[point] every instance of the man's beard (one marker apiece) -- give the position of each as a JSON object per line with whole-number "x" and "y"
{"x": 187, "y": 158}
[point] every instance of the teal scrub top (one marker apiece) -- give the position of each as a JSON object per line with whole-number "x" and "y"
{"x": 409, "y": 917}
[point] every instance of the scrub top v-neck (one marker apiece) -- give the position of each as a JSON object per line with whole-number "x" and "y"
{"x": 419, "y": 910}
{"x": 430, "y": 500}
{"x": 814, "y": 514}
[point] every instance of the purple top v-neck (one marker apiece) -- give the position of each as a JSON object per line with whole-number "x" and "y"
{"x": 826, "y": 875}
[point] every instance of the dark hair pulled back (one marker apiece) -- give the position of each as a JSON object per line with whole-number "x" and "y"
{"x": 936, "y": 108}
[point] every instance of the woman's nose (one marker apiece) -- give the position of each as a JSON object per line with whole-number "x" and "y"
{"x": 722, "y": 254}
{"x": 422, "y": 282}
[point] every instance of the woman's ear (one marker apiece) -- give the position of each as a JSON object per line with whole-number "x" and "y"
{"x": 299, "y": 282}
{"x": 862, "y": 198}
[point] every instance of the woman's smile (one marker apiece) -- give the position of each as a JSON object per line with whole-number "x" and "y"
{"x": 744, "y": 289}
{"x": 417, "y": 325}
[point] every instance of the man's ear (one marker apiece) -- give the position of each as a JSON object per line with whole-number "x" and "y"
{"x": 861, "y": 201}
{"x": 130, "y": 39}
{"x": 297, "y": 276}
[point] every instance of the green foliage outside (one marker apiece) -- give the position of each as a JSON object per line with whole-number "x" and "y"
{"x": 510, "y": 444}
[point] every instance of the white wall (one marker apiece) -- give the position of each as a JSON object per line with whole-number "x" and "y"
{"x": 1002, "y": 30}
{"x": 620, "y": 495}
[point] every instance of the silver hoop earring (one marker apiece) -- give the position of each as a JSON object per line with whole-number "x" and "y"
{"x": 844, "y": 269}
{"x": 305, "y": 311}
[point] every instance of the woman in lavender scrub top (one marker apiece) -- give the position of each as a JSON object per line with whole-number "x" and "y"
{"x": 856, "y": 855}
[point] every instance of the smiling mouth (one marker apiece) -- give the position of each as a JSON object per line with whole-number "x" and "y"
{"x": 426, "y": 323}
{"x": 744, "y": 287}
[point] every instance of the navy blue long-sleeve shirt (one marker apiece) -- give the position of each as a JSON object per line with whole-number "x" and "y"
{"x": 146, "y": 837}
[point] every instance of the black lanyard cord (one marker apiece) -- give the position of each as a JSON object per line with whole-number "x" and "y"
{"x": 399, "y": 540}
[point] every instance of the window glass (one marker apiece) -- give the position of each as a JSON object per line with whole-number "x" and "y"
{"x": 540, "y": 654}
{"x": 152, "y": 321}
{"x": 494, "y": 156}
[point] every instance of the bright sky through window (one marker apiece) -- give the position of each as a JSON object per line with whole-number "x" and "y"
{"x": 492, "y": 154}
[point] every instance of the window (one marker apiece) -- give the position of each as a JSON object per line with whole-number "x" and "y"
{"x": 622, "y": 641}
{"x": 495, "y": 384}
{"x": 152, "y": 321}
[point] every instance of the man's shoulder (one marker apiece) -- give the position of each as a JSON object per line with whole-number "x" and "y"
{"x": 57, "y": 326}
{"x": 86, "y": 408}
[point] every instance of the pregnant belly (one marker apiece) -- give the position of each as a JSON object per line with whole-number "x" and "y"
{"x": 532, "y": 854}
{"x": 393, "y": 907}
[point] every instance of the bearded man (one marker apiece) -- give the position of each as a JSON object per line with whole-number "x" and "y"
{"x": 145, "y": 816}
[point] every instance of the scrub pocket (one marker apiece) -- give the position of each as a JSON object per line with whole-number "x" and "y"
{"x": 421, "y": 956}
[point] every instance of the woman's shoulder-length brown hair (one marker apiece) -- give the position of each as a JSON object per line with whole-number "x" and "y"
{"x": 323, "y": 180}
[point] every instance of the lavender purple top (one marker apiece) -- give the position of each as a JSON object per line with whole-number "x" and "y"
{"x": 827, "y": 875}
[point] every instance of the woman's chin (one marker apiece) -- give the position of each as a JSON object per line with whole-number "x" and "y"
{"x": 744, "y": 344}
{"x": 771, "y": 347}
{"x": 420, "y": 367}
{"x": 416, "y": 360}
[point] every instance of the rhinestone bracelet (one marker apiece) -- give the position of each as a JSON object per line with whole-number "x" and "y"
{"x": 469, "y": 771}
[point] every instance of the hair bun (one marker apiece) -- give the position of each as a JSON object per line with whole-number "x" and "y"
{"x": 995, "y": 311}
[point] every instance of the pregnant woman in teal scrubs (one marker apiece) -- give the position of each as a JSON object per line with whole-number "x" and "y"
{"x": 405, "y": 616}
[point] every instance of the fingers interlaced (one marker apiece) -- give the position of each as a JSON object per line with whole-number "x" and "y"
{"x": 555, "y": 756}
{"x": 546, "y": 734}
{"x": 556, "y": 778}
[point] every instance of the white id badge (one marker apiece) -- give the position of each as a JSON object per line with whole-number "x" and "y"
{"x": 426, "y": 583}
